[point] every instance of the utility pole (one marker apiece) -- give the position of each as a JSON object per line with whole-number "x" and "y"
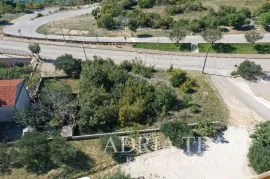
{"x": 84, "y": 52}
{"x": 205, "y": 59}
{"x": 62, "y": 32}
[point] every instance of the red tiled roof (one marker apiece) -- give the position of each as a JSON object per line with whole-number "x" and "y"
{"x": 8, "y": 92}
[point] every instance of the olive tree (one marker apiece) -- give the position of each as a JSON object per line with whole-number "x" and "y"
{"x": 178, "y": 34}
{"x": 212, "y": 35}
{"x": 34, "y": 48}
{"x": 68, "y": 64}
{"x": 252, "y": 37}
{"x": 249, "y": 70}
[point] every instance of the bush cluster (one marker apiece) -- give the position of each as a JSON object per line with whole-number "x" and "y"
{"x": 111, "y": 96}
{"x": 175, "y": 131}
{"x": 259, "y": 152}
{"x": 37, "y": 154}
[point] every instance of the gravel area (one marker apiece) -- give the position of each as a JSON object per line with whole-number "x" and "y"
{"x": 220, "y": 160}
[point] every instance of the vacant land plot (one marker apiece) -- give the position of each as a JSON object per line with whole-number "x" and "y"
{"x": 205, "y": 99}
{"x": 86, "y": 25}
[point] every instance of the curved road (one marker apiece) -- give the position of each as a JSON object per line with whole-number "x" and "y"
{"x": 217, "y": 66}
{"x": 28, "y": 29}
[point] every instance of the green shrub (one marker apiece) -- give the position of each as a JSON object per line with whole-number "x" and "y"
{"x": 249, "y": 70}
{"x": 62, "y": 152}
{"x": 234, "y": 73}
{"x": 178, "y": 77}
{"x": 165, "y": 99}
{"x": 69, "y": 65}
{"x": 117, "y": 175}
{"x": 34, "y": 48}
{"x": 5, "y": 160}
{"x": 195, "y": 109}
{"x": 205, "y": 128}
{"x": 187, "y": 87}
{"x": 176, "y": 130}
{"x": 35, "y": 151}
{"x": 146, "y": 3}
{"x": 39, "y": 15}
{"x": 259, "y": 152}
{"x": 15, "y": 73}
{"x": 136, "y": 66}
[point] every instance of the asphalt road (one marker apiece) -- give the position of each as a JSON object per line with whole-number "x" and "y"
{"x": 28, "y": 26}
{"x": 216, "y": 67}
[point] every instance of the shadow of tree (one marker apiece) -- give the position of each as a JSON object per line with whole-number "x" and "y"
{"x": 262, "y": 49}
{"x": 5, "y": 22}
{"x": 185, "y": 47}
{"x": 224, "y": 48}
{"x": 266, "y": 77}
{"x": 219, "y": 138}
{"x": 144, "y": 35}
{"x": 198, "y": 147}
{"x": 82, "y": 163}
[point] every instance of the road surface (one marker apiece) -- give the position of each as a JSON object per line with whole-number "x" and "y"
{"x": 28, "y": 25}
{"x": 216, "y": 66}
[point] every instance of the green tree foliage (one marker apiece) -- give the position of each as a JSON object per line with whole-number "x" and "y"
{"x": 15, "y": 73}
{"x": 205, "y": 128}
{"x": 146, "y": 3}
{"x": 5, "y": 160}
{"x": 178, "y": 77}
{"x": 35, "y": 152}
{"x": 187, "y": 86}
{"x": 252, "y": 37}
{"x": 98, "y": 111}
{"x": 38, "y": 154}
{"x": 106, "y": 21}
{"x": 58, "y": 97}
{"x": 68, "y": 64}
{"x": 137, "y": 103}
{"x": 20, "y": 6}
{"x": 236, "y": 20}
{"x": 265, "y": 7}
{"x": 178, "y": 33}
{"x": 113, "y": 96}
{"x": 34, "y": 48}
{"x": 37, "y": 116}
{"x": 62, "y": 153}
{"x": 96, "y": 73}
{"x": 136, "y": 66}
{"x": 249, "y": 70}
{"x": 175, "y": 131}
{"x": 166, "y": 98}
{"x": 212, "y": 35}
{"x": 265, "y": 19}
{"x": 259, "y": 152}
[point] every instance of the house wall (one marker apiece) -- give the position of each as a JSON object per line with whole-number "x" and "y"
{"x": 23, "y": 100}
{"x": 6, "y": 114}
